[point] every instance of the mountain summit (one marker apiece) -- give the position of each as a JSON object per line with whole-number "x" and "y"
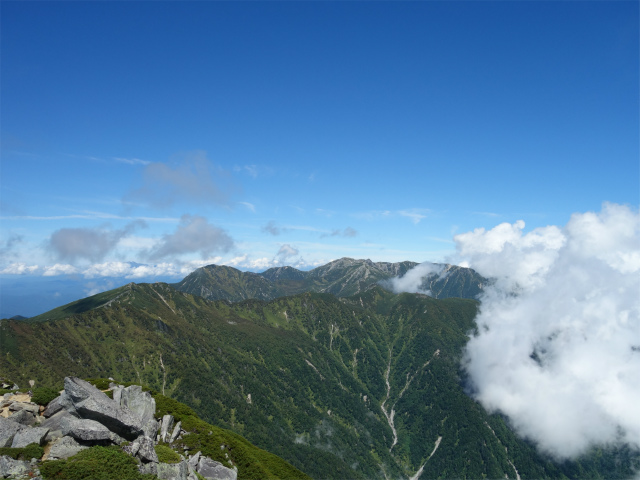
{"x": 342, "y": 277}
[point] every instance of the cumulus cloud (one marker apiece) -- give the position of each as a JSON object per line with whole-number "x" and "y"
{"x": 194, "y": 178}
{"x": 193, "y": 235}
{"x": 413, "y": 280}
{"x": 93, "y": 244}
{"x": 19, "y": 268}
{"x": 558, "y": 343}
{"x": 59, "y": 269}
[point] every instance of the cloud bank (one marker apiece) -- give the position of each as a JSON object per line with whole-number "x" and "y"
{"x": 412, "y": 280}
{"x": 558, "y": 342}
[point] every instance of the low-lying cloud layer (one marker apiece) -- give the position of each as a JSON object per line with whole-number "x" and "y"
{"x": 558, "y": 343}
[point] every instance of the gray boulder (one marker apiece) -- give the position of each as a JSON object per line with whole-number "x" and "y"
{"x": 141, "y": 404}
{"x": 167, "y": 424}
{"x": 65, "y": 447}
{"x": 212, "y": 470}
{"x": 176, "y": 432}
{"x": 193, "y": 461}
{"x": 145, "y": 449}
{"x": 28, "y": 406}
{"x": 53, "y": 407}
{"x": 90, "y": 403}
{"x": 8, "y": 430}
{"x": 23, "y": 417}
{"x": 27, "y": 436}
{"x": 10, "y": 468}
{"x": 173, "y": 471}
{"x": 83, "y": 430}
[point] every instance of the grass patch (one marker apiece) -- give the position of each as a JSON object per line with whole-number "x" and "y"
{"x": 33, "y": 450}
{"x": 43, "y": 395}
{"x": 167, "y": 455}
{"x": 96, "y": 463}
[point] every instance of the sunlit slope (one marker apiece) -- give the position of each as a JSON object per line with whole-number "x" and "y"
{"x": 343, "y": 277}
{"x": 357, "y": 387}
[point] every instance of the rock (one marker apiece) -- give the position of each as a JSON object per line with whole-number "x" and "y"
{"x": 148, "y": 468}
{"x": 144, "y": 449}
{"x": 173, "y": 471}
{"x": 23, "y": 417}
{"x": 28, "y": 406}
{"x": 176, "y": 432}
{"x": 27, "y": 436}
{"x": 142, "y": 404}
{"x": 84, "y": 430}
{"x": 10, "y": 468}
{"x": 65, "y": 447}
{"x": 212, "y": 470}
{"x": 91, "y": 403}
{"x": 117, "y": 393}
{"x": 167, "y": 424}
{"x": 193, "y": 461}
{"x": 53, "y": 407}
{"x": 8, "y": 430}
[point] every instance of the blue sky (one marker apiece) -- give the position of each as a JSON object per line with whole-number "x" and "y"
{"x": 141, "y": 140}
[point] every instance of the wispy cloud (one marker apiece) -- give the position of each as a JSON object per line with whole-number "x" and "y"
{"x": 347, "y": 232}
{"x": 414, "y": 214}
{"x": 272, "y": 228}
{"x": 93, "y": 244}
{"x": 250, "y": 206}
{"x": 132, "y": 161}
{"x": 91, "y": 216}
{"x": 194, "y": 235}
{"x": 194, "y": 179}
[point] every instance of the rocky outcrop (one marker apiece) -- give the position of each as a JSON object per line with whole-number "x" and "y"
{"x": 83, "y": 416}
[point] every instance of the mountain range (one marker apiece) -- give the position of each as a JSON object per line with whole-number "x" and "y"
{"x": 327, "y": 369}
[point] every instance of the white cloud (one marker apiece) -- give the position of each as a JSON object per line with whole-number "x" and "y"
{"x": 250, "y": 206}
{"x": 285, "y": 252}
{"x": 19, "y": 268}
{"x": 194, "y": 235}
{"x": 412, "y": 280}
{"x": 415, "y": 214}
{"x": 59, "y": 269}
{"x": 132, "y": 161}
{"x": 558, "y": 343}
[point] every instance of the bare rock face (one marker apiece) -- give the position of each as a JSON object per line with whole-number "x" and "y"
{"x": 141, "y": 404}
{"x": 29, "y": 435}
{"x": 212, "y": 470}
{"x": 173, "y": 471}
{"x": 10, "y": 468}
{"x": 8, "y": 430}
{"x": 80, "y": 429}
{"x": 91, "y": 403}
{"x": 65, "y": 447}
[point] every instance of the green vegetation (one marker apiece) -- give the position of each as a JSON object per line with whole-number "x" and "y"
{"x": 33, "y": 450}
{"x": 167, "y": 455}
{"x": 303, "y": 377}
{"x": 95, "y": 463}
{"x": 43, "y": 395}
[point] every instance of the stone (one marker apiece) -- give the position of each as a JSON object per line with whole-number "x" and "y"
{"x": 167, "y": 424}
{"x": 148, "y": 468}
{"x": 173, "y": 471}
{"x": 27, "y": 436}
{"x": 8, "y": 430}
{"x": 176, "y": 432}
{"x": 23, "y": 417}
{"x": 145, "y": 450}
{"x": 65, "y": 447}
{"x": 193, "y": 461}
{"x": 91, "y": 403}
{"x": 212, "y": 470}
{"x": 141, "y": 404}
{"x": 28, "y": 406}
{"x": 10, "y": 468}
{"x": 84, "y": 430}
{"x": 53, "y": 407}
